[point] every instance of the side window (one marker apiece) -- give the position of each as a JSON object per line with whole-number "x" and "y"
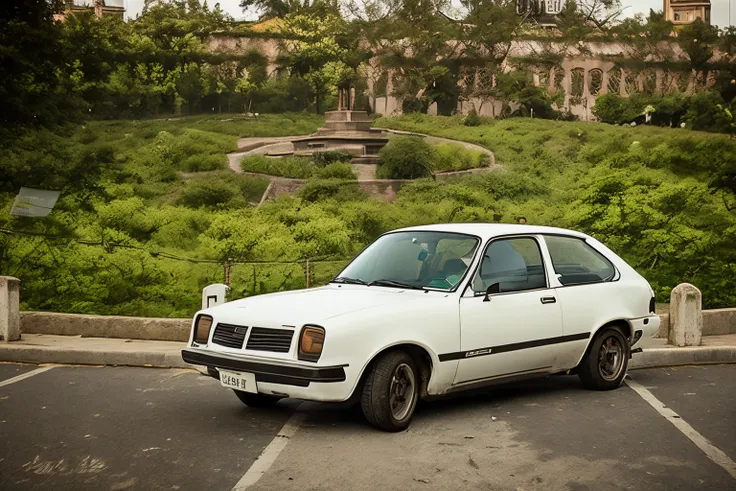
{"x": 577, "y": 263}
{"x": 510, "y": 265}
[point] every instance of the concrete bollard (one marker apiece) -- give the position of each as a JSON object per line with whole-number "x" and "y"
{"x": 686, "y": 316}
{"x": 9, "y": 308}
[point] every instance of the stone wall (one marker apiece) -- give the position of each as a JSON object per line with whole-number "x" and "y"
{"x": 105, "y": 326}
{"x": 716, "y": 322}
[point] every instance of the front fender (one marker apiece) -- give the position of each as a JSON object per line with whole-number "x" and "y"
{"x": 431, "y": 324}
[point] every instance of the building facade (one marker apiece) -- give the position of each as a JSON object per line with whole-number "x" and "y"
{"x": 101, "y": 8}
{"x": 683, "y": 12}
{"x": 539, "y": 7}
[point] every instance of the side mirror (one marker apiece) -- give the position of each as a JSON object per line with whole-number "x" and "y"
{"x": 494, "y": 288}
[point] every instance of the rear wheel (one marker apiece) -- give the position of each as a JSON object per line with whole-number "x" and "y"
{"x": 256, "y": 400}
{"x": 391, "y": 391}
{"x": 605, "y": 365}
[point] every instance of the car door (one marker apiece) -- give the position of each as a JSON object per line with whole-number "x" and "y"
{"x": 587, "y": 290}
{"x": 514, "y": 328}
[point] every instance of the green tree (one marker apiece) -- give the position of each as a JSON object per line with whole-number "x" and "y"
{"x": 312, "y": 51}
{"x": 697, "y": 40}
{"x": 30, "y": 57}
{"x": 267, "y": 9}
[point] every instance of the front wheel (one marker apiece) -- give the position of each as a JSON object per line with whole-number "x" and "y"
{"x": 256, "y": 400}
{"x": 605, "y": 365}
{"x": 391, "y": 391}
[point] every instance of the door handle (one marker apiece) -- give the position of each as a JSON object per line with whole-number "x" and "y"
{"x": 548, "y": 300}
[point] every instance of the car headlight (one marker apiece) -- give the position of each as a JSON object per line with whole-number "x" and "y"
{"x": 311, "y": 341}
{"x": 202, "y": 327}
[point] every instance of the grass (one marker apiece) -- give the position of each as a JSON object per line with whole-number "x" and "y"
{"x": 515, "y": 139}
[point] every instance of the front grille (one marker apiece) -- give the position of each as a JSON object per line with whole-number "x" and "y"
{"x": 276, "y": 340}
{"x": 229, "y": 335}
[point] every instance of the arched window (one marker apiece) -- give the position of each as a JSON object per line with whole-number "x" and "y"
{"x": 543, "y": 77}
{"x": 614, "y": 81}
{"x": 631, "y": 81}
{"x": 577, "y": 83}
{"x": 559, "y": 77}
{"x": 650, "y": 81}
{"x": 595, "y": 81}
{"x": 677, "y": 16}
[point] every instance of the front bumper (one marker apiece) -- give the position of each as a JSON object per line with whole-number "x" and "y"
{"x": 303, "y": 382}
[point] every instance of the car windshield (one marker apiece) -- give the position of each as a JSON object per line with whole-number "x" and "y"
{"x": 422, "y": 260}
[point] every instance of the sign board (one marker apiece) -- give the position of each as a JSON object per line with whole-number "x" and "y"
{"x": 34, "y": 202}
{"x": 214, "y": 295}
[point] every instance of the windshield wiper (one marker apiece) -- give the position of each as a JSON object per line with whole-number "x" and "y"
{"x": 349, "y": 281}
{"x": 395, "y": 284}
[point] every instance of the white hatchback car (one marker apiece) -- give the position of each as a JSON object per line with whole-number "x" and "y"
{"x": 430, "y": 310}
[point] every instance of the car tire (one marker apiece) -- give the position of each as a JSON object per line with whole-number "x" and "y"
{"x": 604, "y": 366}
{"x": 256, "y": 400}
{"x": 394, "y": 371}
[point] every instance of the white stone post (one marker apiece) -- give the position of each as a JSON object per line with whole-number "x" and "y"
{"x": 686, "y": 316}
{"x": 9, "y": 308}
{"x": 213, "y": 295}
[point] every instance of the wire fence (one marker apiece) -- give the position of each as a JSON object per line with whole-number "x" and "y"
{"x": 245, "y": 278}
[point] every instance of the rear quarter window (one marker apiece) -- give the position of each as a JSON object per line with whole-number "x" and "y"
{"x": 577, "y": 263}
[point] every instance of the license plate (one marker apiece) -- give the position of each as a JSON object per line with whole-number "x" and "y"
{"x": 238, "y": 380}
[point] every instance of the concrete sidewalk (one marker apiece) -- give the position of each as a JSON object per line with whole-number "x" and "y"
{"x": 77, "y": 350}
{"x": 657, "y": 353}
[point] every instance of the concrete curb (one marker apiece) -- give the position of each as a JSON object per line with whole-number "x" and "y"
{"x": 163, "y": 358}
{"x": 670, "y": 357}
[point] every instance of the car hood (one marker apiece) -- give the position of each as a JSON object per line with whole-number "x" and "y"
{"x": 295, "y": 308}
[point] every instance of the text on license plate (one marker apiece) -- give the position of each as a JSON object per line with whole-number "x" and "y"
{"x": 238, "y": 380}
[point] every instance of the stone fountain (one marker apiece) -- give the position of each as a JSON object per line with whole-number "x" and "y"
{"x": 347, "y": 130}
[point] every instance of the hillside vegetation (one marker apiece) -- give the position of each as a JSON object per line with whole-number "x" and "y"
{"x": 150, "y": 213}
{"x": 664, "y": 199}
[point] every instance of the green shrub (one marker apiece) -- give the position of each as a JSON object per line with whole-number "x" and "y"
{"x": 708, "y": 111}
{"x": 472, "y": 119}
{"x": 336, "y": 170}
{"x": 338, "y": 189}
{"x": 294, "y": 167}
{"x": 613, "y": 109}
{"x": 201, "y": 163}
{"x": 207, "y": 193}
{"x": 87, "y": 135}
{"x": 455, "y": 157}
{"x": 251, "y": 188}
{"x": 222, "y": 190}
{"x": 705, "y": 111}
{"x": 322, "y": 159}
{"x": 406, "y": 157}
{"x": 414, "y": 105}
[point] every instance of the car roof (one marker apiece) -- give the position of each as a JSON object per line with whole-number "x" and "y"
{"x": 488, "y": 230}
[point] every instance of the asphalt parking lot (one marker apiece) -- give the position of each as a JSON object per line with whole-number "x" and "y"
{"x": 116, "y": 428}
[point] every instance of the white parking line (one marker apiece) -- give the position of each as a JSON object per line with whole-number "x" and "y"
{"x": 270, "y": 453}
{"x": 710, "y": 450}
{"x": 25, "y": 376}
